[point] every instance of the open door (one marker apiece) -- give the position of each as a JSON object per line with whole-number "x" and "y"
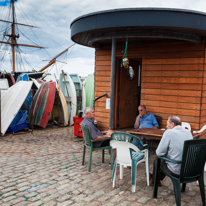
{"x": 128, "y": 96}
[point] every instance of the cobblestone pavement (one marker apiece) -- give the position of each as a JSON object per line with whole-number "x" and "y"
{"x": 44, "y": 168}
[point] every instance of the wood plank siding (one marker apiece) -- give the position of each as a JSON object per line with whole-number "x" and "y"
{"x": 173, "y": 80}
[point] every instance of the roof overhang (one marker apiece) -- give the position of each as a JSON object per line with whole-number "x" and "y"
{"x": 138, "y": 24}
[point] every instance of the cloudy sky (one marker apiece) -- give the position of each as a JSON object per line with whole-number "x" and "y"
{"x": 53, "y": 20}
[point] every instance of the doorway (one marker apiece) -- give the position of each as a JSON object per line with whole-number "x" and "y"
{"x": 127, "y": 94}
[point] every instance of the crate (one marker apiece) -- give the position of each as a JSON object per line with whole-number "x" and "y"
{"x": 77, "y": 126}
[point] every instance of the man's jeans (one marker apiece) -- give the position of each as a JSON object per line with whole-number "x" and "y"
{"x": 136, "y": 143}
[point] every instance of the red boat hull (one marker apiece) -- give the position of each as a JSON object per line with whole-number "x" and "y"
{"x": 42, "y": 104}
{"x": 9, "y": 77}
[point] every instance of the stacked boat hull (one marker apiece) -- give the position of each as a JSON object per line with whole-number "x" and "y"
{"x": 68, "y": 89}
{"x": 42, "y": 105}
{"x": 12, "y": 103}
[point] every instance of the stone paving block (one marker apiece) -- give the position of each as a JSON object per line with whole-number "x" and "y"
{"x": 137, "y": 204}
{"x": 116, "y": 199}
{"x": 89, "y": 198}
{"x": 5, "y": 204}
{"x": 32, "y": 194}
{"x": 63, "y": 186}
{"x": 69, "y": 202}
{"x": 8, "y": 189}
{"x": 9, "y": 193}
{"x": 8, "y": 184}
{"x": 51, "y": 186}
{"x": 17, "y": 200}
{"x": 43, "y": 190}
{"x": 131, "y": 198}
{"x": 50, "y": 203}
{"x": 3, "y": 179}
{"x": 64, "y": 198}
{"x": 108, "y": 204}
{"x": 104, "y": 198}
{"x": 23, "y": 184}
{"x": 79, "y": 204}
{"x": 7, "y": 199}
{"x": 22, "y": 194}
{"x": 96, "y": 203}
{"x": 50, "y": 197}
{"x": 191, "y": 193}
{"x": 65, "y": 181}
{"x": 80, "y": 197}
{"x": 1, "y": 188}
{"x": 153, "y": 202}
{"x": 36, "y": 203}
{"x": 38, "y": 197}
{"x": 76, "y": 192}
{"x": 23, "y": 188}
{"x": 52, "y": 191}
{"x": 125, "y": 203}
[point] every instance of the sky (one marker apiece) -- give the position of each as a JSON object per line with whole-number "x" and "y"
{"x": 53, "y": 19}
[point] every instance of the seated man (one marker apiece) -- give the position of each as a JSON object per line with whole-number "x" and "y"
{"x": 96, "y": 134}
{"x": 144, "y": 120}
{"x": 171, "y": 146}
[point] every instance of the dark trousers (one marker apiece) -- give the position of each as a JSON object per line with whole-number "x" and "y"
{"x": 105, "y": 143}
{"x": 163, "y": 166}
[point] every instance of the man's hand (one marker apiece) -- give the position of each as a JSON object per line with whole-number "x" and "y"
{"x": 109, "y": 133}
{"x": 104, "y": 132}
{"x": 137, "y": 122}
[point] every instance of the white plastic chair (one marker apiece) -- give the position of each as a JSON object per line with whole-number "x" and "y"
{"x": 126, "y": 157}
{"x": 186, "y": 126}
{"x": 200, "y": 131}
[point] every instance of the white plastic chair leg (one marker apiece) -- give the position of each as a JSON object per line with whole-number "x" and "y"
{"x": 113, "y": 184}
{"x": 121, "y": 171}
{"x": 147, "y": 169}
{"x": 133, "y": 188}
{"x": 190, "y": 186}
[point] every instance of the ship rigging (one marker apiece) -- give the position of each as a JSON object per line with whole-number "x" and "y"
{"x": 11, "y": 36}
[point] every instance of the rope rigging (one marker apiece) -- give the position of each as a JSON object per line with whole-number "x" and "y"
{"x": 6, "y": 32}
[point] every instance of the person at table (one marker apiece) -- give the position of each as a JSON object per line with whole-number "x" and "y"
{"x": 144, "y": 120}
{"x": 171, "y": 146}
{"x": 96, "y": 134}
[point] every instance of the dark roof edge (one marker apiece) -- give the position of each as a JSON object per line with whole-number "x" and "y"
{"x": 141, "y": 9}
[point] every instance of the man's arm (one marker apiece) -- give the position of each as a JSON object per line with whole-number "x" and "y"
{"x": 102, "y": 137}
{"x": 154, "y": 122}
{"x": 108, "y": 134}
{"x": 164, "y": 144}
{"x": 137, "y": 121}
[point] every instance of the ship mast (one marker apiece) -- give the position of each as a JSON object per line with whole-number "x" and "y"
{"x": 54, "y": 59}
{"x": 13, "y": 36}
{"x": 14, "y": 43}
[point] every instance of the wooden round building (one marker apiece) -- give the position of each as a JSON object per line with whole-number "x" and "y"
{"x": 165, "y": 48}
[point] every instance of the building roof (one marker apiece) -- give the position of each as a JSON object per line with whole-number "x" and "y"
{"x": 139, "y": 25}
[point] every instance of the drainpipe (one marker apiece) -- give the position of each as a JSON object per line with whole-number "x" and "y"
{"x": 112, "y": 87}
